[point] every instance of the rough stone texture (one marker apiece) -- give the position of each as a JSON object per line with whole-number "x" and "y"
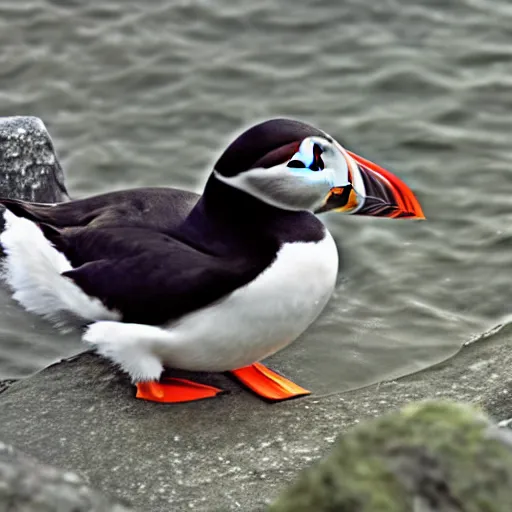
{"x": 29, "y": 168}
{"x": 432, "y": 456}
{"x": 233, "y": 452}
{"x": 27, "y": 486}
{"x": 4, "y": 384}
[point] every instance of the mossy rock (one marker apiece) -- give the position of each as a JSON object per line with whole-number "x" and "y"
{"x": 432, "y": 456}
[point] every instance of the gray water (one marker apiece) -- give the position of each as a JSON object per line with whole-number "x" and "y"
{"x": 148, "y": 93}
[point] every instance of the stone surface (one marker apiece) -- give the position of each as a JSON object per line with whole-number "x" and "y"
{"x": 233, "y": 452}
{"x": 29, "y": 168}
{"x": 430, "y": 457}
{"x": 27, "y": 486}
{"x": 4, "y": 384}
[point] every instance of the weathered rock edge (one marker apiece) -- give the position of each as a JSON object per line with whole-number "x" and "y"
{"x": 29, "y": 167}
{"x": 28, "y": 486}
{"x": 432, "y": 456}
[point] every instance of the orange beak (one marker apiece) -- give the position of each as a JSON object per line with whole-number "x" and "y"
{"x": 386, "y": 195}
{"x": 373, "y": 191}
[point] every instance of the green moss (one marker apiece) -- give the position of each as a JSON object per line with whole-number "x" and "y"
{"x": 431, "y": 452}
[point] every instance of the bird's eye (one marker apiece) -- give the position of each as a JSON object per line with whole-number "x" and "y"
{"x": 296, "y": 164}
{"x": 317, "y": 164}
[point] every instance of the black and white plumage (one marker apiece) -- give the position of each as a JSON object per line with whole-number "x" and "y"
{"x": 212, "y": 282}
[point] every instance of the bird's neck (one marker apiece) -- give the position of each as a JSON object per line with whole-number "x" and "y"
{"x": 238, "y": 208}
{"x": 226, "y": 217}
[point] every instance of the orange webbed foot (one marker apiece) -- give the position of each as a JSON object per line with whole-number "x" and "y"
{"x": 268, "y": 384}
{"x": 174, "y": 390}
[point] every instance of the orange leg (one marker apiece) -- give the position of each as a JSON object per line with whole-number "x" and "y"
{"x": 174, "y": 390}
{"x": 268, "y": 384}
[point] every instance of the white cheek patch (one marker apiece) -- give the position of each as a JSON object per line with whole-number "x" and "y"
{"x": 357, "y": 179}
{"x": 342, "y": 174}
{"x": 282, "y": 186}
{"x": 335, "y": 159}
{"x": 305, "y": 154}
{"x": 297, "y": 187}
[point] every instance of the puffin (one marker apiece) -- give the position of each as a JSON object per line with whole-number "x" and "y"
{"x": 158, "y": 278}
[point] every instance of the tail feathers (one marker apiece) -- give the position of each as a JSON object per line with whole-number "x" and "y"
{"x": 37, "y": 213}
{"x": 23, "y": 209}
{"x": 33, "y": 269}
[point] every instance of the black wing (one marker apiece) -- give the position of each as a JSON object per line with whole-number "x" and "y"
{"x": 151, "y": 277}
{"x": 159, "y": 209}
{"x": 129, "y": 258}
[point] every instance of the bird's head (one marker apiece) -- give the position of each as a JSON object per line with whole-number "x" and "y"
{"x": 294, "y": 166}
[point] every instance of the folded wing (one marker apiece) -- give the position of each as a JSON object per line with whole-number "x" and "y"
{"x": 124, "y": 251}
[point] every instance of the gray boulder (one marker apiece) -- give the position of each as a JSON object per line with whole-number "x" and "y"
{"x": 28, "y": 486}
{"x": 430, "y": 457}
{"x": 29, "y": 168}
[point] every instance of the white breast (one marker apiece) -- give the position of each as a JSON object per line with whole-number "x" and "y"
{"x": 260, "y": 318}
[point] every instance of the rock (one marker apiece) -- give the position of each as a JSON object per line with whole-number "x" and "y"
{"x": 430, "y": 457}
{"x": 4, "y": 384}
{"x": 27, "y": 486}
{"x": 234, "y": 452}
{"x": 499, "y": 401}
{"x": 29, "y": 168}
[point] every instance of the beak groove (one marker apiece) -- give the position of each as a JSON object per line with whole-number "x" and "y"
{"x": 385, "y": 194}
